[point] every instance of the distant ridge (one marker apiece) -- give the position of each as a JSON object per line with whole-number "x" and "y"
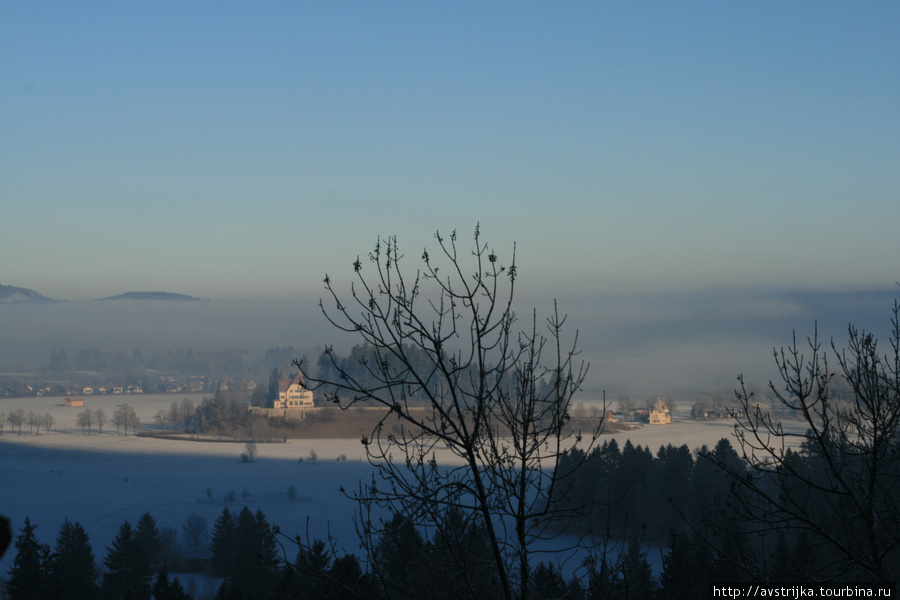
{"x": 166, "y": 296}
{"x": 15, "y": 295}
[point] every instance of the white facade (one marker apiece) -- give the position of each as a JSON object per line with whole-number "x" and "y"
{"x": 293, "y": 394}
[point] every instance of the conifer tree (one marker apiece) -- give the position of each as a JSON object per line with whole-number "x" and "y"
{"x": 147, "y": 537}
{"x": 73, "y": 572}
{"x": 224, "y": 541}
{"x": 636, "y": 579}
{"x": 254, "y": 570}
{"x": 399, "y": 558}
{"x": 163, "y": 589}
{"x": 129, "y": 574}
{"x": 28, "y": 575}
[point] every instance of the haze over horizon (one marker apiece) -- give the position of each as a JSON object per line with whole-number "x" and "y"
{"x": 653, "y": 162}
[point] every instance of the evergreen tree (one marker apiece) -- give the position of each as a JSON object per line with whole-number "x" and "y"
{"x": 399, "y": 559}
{"x": 147, "y": 537}
{"x": 163, "y": 589}
{"x": 636, "y": 579}
{"x": 348, "y": 581}
{"x": 73, "y": 570}
{"x": 129, "y": 573}
{"x": 28, "y": 575}
{"x": 224, "y": 542}
{"x": 547, "y": 582}
{"x": 685, "y": 570}
{"x": 459, "y": 555}
{"x": 307, "y": 577}
{"x": 272, "y": 391}
{"x": 254, "y": 572}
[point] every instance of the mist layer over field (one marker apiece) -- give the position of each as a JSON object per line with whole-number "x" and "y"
{"x": 642, "y": 345}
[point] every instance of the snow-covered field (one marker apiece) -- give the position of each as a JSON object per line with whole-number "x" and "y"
{"x": 103, "y": 480}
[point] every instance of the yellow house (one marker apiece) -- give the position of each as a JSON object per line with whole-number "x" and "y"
{"x": 74, "y": 401}
{"x": 658, "y": 417}
{"x": 293, "y": 394}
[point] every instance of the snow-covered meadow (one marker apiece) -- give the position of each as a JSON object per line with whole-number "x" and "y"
{"x": 103, "y": 480}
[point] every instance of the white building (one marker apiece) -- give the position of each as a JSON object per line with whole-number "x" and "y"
{"x": 293, "y": 394}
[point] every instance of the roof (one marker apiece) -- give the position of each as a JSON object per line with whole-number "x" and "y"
{"x": 284, "y": 384}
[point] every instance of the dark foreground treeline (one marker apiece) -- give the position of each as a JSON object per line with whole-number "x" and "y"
{"x": 825, "y": 512}
{"x": 630, "y": 493}
{"x": 699, "y": 511}
{"x": 253, "y": 561}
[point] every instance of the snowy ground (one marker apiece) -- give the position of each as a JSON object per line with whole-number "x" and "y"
{"x": 103, "y": 480}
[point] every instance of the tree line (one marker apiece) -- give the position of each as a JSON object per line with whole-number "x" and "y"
{"x": 19, "y": 418}
{"x": 255, "y": 561}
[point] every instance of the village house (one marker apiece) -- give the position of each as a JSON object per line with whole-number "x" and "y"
{"x": 76, "y": 401}
{"x": 293, "y": 394}
{"x": 659, "y": 414}
{"x": 660, "y": 418}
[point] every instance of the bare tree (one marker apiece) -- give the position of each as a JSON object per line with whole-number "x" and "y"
{"x": 17, "y": 419}
{"x": 249, "y": 451}
{"x": 131, "y": 419}
{"x": 100, "y": 419}
{"x": 186, "y": 412}
{"x": 195, "y": 533}
{"x": 125, "y": 417}
{"x": 47, "y": 421}
{"x": 174, "y": 414}
{"x": 85, "y": 420}
{"x": 33, "y": 420}
{"x": 627, "y": 406}
{"x": 119, "y": 419}
{"x": 443, "y": 355}
{"x": 2, "y": 422}
{"x": 842, "y": 487}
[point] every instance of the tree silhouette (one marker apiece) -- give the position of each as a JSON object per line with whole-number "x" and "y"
{"x": 29, "y": 573}
{"x": 223, "y": 545}
{"x": 73, "y": 571}
{"x": 442, "y": 353}
{"x": 841, "y": 488}
{"x": 128, "y": 568}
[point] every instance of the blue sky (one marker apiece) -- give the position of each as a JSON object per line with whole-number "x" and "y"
{"x": 243, "y": 149}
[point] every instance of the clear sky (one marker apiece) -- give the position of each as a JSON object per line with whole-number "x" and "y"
{"x": 243, "y": 149}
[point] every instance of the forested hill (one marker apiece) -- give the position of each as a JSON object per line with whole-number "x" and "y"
{"x": 167, "y": 296}
{"x": 15, "y": 295}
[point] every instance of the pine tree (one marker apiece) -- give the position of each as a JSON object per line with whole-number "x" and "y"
{"x": 636, "y": 580}
{"x": 459, "y": 556}
{"x": 685, "y": 570}
{"x": 163, "y": 589}
{"x": 254, "y": 569}
{"x": 399, "y": 558}
{"x": 147, "y": 537}
{"x": 129, "y": 574}
{"x": 547, "y": 582}
{"x": 73, "y": 572}
{"x": 28, "y": 575}
{"x": 224, "y": 542}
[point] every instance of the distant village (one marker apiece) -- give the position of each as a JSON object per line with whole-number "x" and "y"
{"x": 21, "y": 386}
{"x": 294, "y": 400}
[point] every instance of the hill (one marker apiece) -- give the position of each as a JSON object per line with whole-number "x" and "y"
{"x": 165, "y": 296}
{"x": 15, "y": 295}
